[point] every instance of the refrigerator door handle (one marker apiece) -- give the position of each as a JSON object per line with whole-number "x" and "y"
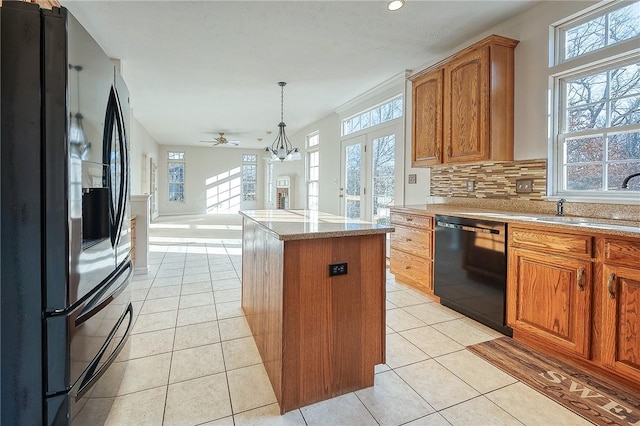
{"x": 115, "y": 155}
{"x": 93, "y": 372}
{"x": 106, "y": 295}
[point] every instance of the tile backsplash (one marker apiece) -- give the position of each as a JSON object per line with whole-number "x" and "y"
{"x": 492, "y": 180}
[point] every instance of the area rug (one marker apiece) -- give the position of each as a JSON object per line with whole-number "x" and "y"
{"x": 594, "y": 398}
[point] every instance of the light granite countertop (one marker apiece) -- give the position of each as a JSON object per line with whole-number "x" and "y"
{"x": 607, "y": 226}
{"x": 308, "y": 224}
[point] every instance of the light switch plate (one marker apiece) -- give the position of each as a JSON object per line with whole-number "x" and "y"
{"x": 413, "y": 178}
{"x": 471, "y": 185}
{"x": 524, "y": 186}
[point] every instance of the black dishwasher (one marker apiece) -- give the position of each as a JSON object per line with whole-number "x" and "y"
{"x": 470, "y": 268}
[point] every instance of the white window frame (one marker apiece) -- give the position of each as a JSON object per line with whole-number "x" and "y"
{"x": 365, "y": 116}
{"x": 561, "y": 70}
{"x": 176, "y": 157}
{"x": 313, "y": 149}
{"x": 249, "y": 160}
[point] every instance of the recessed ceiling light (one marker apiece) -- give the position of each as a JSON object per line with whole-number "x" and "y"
{"x": 395, "y": 4}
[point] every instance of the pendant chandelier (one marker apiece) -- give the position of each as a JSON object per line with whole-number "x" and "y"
{"x": 78, "y": 144}
{"x": 281, "y": 149}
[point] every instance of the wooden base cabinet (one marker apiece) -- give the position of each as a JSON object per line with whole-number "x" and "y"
{"x": 621, "y": 308}
{"x": 551, "y": 298}
{"x": 412, "y": 249}
{"x": 577, "y": 294}
{"x": 549, "y": 289}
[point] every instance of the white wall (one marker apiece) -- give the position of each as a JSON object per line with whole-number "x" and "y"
{"x": 143, "y": 147}
{"x": 203, "y": 164}
{"x": 329, "y": 131}
{"x": 531, "y": 28}
{"x": 531, "y": 85}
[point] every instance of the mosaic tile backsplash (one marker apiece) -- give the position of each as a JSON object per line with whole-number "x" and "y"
{"x": 494, "y": 180}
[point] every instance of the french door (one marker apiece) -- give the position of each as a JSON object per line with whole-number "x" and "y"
{"x": 369, "y": 176}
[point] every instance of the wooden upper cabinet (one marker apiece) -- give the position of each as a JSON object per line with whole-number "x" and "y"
{"x": 427, "y": 124}
{"x": 463, "y": 106}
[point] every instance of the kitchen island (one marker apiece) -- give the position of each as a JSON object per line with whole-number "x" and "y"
{"x": 313, "y": 292}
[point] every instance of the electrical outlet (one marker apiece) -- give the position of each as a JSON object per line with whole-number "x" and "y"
{"x": 413, "y": 178}
{"x": 524, "y": 186}
{"x": 337, "y": 269}
{"x": 471, "y": 185}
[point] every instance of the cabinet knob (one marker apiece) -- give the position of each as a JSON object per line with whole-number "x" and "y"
{"x": 612, "y": 293}
{"x": 580, "y": 277}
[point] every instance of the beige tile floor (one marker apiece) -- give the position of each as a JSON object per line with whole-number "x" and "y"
{"x": 193, "y": 360}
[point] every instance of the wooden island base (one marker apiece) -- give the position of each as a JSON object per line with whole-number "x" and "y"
{"x": 319, "y": 336}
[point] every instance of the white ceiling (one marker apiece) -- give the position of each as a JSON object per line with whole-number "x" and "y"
{"x": 195, "y": 68}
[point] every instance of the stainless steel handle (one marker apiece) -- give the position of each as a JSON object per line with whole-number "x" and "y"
{"x": 580, "y": 277}
{"x": 612, "y": 277}
{"x": 467, "y": 228}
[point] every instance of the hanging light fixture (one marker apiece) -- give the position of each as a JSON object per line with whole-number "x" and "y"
{"x": 77, "y": 139}
{"x": 281, "y": 149}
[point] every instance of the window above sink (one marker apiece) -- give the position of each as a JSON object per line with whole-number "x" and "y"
{"x": 595, "y": 92}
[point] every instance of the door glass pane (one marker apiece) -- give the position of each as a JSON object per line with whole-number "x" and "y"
{"x": 353, "y": 172}
{"x": 383, "y": 177}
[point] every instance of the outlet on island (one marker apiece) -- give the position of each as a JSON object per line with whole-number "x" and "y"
{"x": 337, "y": 269}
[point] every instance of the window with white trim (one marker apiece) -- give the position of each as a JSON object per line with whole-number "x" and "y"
{"x": 249, "y": 177}
{"x": 176, "y": 170}
{"x": 313, "y": 171}
{"x": 388, "y": 110}
{"x": 597, "y": 120}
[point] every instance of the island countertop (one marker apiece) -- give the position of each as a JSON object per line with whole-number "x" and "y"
{"x": 310, "y": 224}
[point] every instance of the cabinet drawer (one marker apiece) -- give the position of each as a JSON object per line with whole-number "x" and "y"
{"x": 622, "y": 252}
{"x": 409, "y": 219}
{"x": 550, "y": 241}
{"x": 413, "y": 270}
{"x": 414, "y": 241}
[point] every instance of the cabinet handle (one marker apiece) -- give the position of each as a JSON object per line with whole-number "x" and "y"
{"x": 449, "y": 151}
{"x": 407, "y": 267}
{"x": 580, "y": 276}
{"x": 438, "y": 154}
{"x": 409, "y": 219}
{"x": 612, "y": 277}
{"x": 409, "y": 240}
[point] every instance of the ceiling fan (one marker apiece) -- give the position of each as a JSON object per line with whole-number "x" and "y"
{"x": 221, "y": 140}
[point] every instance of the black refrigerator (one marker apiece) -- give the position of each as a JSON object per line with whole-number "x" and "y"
{"x": 66, "y": 269}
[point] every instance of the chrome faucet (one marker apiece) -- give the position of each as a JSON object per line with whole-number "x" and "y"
{"x": 625, "y": 182}
{"x": 560, "y": 207}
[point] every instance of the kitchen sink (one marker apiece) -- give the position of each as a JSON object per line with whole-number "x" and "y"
{"x": 569, "y": 219}
{"x": 591, "y": 222}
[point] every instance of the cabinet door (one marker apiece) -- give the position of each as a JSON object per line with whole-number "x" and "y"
{"x": 466, "y": 123}
{"x": 621, "y": 321}
{"x": 426, "y": 141}
{"x": 549, "y": 299}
